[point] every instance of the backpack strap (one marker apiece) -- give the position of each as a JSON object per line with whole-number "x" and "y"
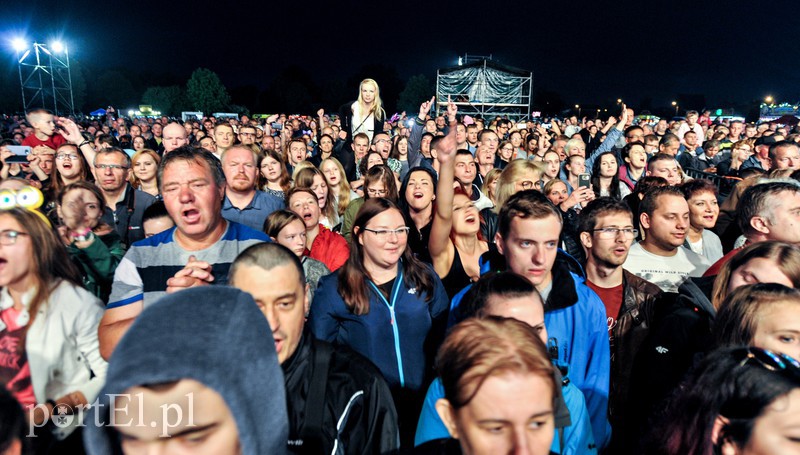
{"x": 311, "y": 430}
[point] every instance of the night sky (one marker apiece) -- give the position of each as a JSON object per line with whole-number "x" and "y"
{"x": 589, "y": 52}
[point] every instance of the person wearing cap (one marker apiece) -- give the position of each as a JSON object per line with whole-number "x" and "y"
{"x": 760, "y": 159}
{"x": 199, "y": 369}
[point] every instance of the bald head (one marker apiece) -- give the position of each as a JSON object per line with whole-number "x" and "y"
{"x": 174, "y": 136}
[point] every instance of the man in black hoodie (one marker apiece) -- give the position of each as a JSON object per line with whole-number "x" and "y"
{"x": 338, "y": 402}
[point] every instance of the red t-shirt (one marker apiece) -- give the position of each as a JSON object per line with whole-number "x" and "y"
{"x": 15, "y": 372}
{"x": 612, "y": 300}
{"x": 54, "y": 142}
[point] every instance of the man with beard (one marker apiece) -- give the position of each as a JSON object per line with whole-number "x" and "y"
{"x": 606, "y": 231}
{"x": 243, "y": 203}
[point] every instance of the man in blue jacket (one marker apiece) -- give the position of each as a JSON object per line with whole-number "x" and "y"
{"x": 527, "y": 241}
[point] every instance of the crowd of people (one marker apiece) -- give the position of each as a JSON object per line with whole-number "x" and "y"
{"x": 353, "y": 283}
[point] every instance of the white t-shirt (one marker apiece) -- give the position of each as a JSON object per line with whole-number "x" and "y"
{"x": 666, "y": 272}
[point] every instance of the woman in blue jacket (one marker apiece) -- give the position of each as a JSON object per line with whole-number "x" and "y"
{"x": 386, "y": 305}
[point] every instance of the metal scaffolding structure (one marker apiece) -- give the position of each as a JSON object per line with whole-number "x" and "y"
{"x": 481, "y": 86}
{"x": 45, "y": 78}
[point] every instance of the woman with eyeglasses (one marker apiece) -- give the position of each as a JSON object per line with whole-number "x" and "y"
{"x": 70, "y": 167}
{"x": 386, "y": 305}
{"x": 48, "y": 330}
{"x": 145, "y": 171}
{"x": 743, "y": 401}
{"x": 456, "y": 243}
{"x": 505, "y": 153}
{"x": 378, "y": 182}
{"x": 740, "y": 152}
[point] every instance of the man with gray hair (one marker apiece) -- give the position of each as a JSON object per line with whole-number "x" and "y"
{"x": 768, "y": 210}
{"x": 125, "y": 204}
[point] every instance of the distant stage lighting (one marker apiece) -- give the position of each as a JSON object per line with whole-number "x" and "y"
{"x": 19, "y": 44}
{"x": 57, "y": 46}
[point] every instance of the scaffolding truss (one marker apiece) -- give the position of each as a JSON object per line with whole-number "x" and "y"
{"x": 45, "y": 79}
{"x": 481, "y": 86}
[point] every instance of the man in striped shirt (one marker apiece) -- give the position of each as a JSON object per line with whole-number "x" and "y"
{"x": 197, "y": 251}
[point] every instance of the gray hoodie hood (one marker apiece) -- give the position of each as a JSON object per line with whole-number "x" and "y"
{"x": 217, "y": 336}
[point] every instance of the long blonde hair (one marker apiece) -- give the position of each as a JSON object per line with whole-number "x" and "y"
{"x": 344, "y": 188}
{"x": 377, "y": 105}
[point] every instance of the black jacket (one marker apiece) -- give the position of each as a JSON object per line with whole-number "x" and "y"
{"x": 640, "y": 299}
{"x": 126, "y": 217}
{"x": 680, "y": 334}
{"x": 358, "y": 412}
{"x": 346, "y": 154}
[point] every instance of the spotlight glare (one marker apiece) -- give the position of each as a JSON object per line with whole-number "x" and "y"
{"x": 19, "y": 44}
{"x": 57, "y": 46}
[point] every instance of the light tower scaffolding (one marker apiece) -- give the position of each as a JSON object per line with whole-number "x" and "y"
{"x": 45, "y": 78}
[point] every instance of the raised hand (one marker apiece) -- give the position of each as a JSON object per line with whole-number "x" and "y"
{"x": 69, "y": 130}
{"x": 425, "y": 107}
{"x": 452, "y": 110}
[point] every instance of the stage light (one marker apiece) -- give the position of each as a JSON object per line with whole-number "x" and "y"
{"x": 19, "y": 44}
{"x": 57, "y": 46}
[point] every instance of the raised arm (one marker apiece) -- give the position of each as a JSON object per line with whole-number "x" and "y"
{"x": 439, "y": 245}
{"x": 73, "y": 135}
{"x": 415, "y": 138}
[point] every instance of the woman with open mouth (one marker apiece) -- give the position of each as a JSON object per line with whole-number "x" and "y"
{"x": 48, "y": 331}
{"x": 456, "y": 244}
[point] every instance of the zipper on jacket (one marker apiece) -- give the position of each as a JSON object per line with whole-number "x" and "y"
{"x": 395, "y": 330}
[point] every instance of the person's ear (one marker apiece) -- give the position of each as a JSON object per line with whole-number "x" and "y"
{"x": 760, "y": 224}
{"x": 356, "y": 231}
{"x": 586, "y": 239}
{"x": 498, "y": 241}
{"x": 726, "y": 447}
{"x": 644, "y": 220}
{"x": 447, "y": 414}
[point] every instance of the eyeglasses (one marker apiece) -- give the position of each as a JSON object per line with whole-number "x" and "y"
{"x": 611, "y": 232}
{"x": 529, "y": 184}
{"x": 247, "y": 134}
{"x": 9, "y": 236}
{"x": 379, "y": 193}
{"x": 385, "y": 234}
{"x": 64, "y": 156}
{"x": 113, "y": 167}
{"x": 381, "y": 140}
